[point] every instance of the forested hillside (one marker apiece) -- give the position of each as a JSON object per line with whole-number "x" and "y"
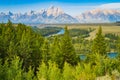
{"x": 27, "y": 55}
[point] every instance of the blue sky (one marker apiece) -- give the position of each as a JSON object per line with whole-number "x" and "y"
{"x": 72, "y": 7}
{"x": 16, "y": 2}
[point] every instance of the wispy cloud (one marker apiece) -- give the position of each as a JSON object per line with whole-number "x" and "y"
{"x": 110, "y": 6}
{"x": 76, "y": 10}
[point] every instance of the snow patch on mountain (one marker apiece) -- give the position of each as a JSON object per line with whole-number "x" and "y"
{"x": 57, "y": 15}
{"x": 54, "y": 11}
{"x": 99, "y": 16}
{"x": 50, "y": 15}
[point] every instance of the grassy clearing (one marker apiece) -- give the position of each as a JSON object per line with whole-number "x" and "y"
{"x": 107, "y": 28}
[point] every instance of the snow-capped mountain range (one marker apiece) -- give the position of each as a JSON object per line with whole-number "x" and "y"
{"x": 57, "y": 15}
{"x": 100, "y": 16}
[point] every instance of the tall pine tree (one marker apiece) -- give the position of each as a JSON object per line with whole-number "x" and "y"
{"x": 118, "y": 45}
{"x": 55, "y": 52}
{"x": 45, "y": 52}
{"x": 99, "y": 44}
{"x": 67, "y": 48}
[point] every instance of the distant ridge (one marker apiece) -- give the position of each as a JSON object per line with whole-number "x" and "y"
{"x": 100, "y": 16}
{"x": 55, "y": 15}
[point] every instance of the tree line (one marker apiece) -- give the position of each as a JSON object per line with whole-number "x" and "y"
{"x": 26, "y": 55}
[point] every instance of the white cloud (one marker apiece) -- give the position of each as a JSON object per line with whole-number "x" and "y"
{"x": 110, "y": 6}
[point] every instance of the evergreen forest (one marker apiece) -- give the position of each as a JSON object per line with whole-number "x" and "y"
{"x": 26, "y": 54}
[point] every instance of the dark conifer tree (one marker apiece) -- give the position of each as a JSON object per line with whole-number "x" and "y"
{"x": 45, "y": 52}
{"x": 55, "y": 52}
{"x": 67, "y": 48}
{"x": 99, "y": 44}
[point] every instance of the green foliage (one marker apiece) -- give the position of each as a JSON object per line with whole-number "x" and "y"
{"x": 68, "y": 72}
{"x": 29, "y": 75}
{"x": 26, "y": 55}
{"x": 22, "y": 41}
{"x": 9, "y": 23}
{"x": 111, "y": 36}
{"x": 55, "y": 52}
{"x": 79, "y": 32}
{"x": 45, "y": 52}
{"x": 99, "y": 44}
{"x": 67, "y": 48}
{"x": 42, "y": 74}
{"x": 46, "y": 31}
{"x": 118, "y": 44}
{"x": 54, "y": 72}
{"x": 11, "y": 70}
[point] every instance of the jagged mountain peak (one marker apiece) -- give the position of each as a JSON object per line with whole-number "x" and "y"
{"x": 100, "y": 15}
{"x": 56, "y": 15}
{"x": 9, "y": 13}
{"x": 31, "y": 12}
{"x": 51, "y": 7}
{"x": 42, "y": 11}
{"x": 51, "y": 15}
{"x": 54, "y": 11}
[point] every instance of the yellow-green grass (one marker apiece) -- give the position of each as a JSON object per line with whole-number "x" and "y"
{"x": 106, "y": 28}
